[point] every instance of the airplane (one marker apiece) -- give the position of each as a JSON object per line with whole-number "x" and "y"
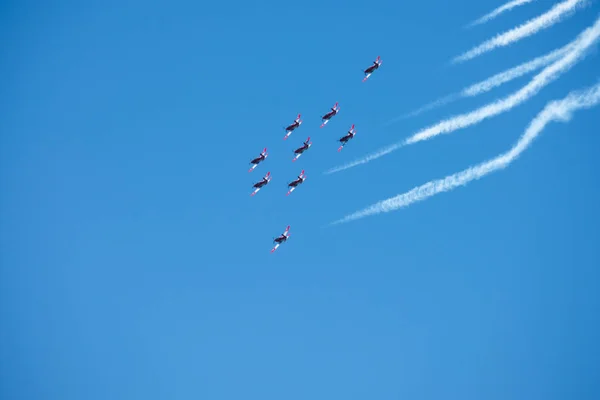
{"x": 350, "y": 135}
{"x": 258, "y": 159}
{"x": 372, "y": 68}
{"x": 302, "y": 149}
{"x": 263, "y": 182}
{"x": 289, "y": 129}
{"x": 281, "y": 239}
{"x": 330, "y": 114}
{"x": 296, "y": 182}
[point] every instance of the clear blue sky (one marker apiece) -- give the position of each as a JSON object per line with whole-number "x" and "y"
{"x": 135, "y": 265}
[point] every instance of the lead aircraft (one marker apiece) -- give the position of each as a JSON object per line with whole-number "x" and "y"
{"x": 372, "y": 68}
{"x": 263, "y": 182}
{"x": 281, "y": 239}
{"x": 330, "y": 114}
{"x": 302, "y": 149}
{"x": 258, "y": 159}
{"x": 350, "y": 135}
{"x": 289, "y": 129}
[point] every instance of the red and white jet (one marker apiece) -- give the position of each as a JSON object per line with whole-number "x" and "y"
{"x": 263, "y": 182}
{"x": 372, "y": 68}
{"x": 289, "y": 129}
{"x": 302, "y": 149}
{"x": 350, "y": 135}
{"x": 330, "y": 114}
{"x": 281, "y": 239}
{"x": 296, "y": 182}
{"x": 258, "y": 159}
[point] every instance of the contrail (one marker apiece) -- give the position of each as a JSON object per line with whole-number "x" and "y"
{"x": 558, "y": 110}
{"x": 506, "y": 7}
{"x": 546, "y": 20}
{"x": 579, "y": 49}
{"x": 494, "y": 81}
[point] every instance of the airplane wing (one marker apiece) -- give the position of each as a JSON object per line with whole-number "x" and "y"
{"x": 342, "y": 146}
{"x": 287, "y": 134}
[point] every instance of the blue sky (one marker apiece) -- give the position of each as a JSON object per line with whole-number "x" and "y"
{"x": 135, "y": 264}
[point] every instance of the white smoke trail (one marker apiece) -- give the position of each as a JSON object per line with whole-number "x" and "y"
{"x": 558, "y": 110}
{"x": 494, "y": 81}
{"x": 546, "y": 20}
{"x": 434, "y": 104}
{"x": 506, "y": 7}
{"x": 516, "y": 72}
{"x": 579, "y": 49}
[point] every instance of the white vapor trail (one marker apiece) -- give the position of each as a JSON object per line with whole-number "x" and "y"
{"x": 506, "y": 7}
{"x": 546, "y": 20}
{"x": 558, "y": 110}
{"x": 516, "y": 72}
{"x": 434, "y": 104}
{"x": 552, "y": 72}
{"x": 494, "y": 81}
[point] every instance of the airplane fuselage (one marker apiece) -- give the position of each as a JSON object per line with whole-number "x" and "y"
{"x": 280, "y": 239}
{"x": 371, "y": 68}
{"x": 346, "y": 138}
{"x": 257, "y": 160}
{"x": 292, "y": 127}
{"x": 301, "y": 149}
{"x": 329, "y": 115}
{"x": 260, "y": 184}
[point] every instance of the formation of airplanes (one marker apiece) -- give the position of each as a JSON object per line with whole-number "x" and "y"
{"x": 301, "y": 150}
